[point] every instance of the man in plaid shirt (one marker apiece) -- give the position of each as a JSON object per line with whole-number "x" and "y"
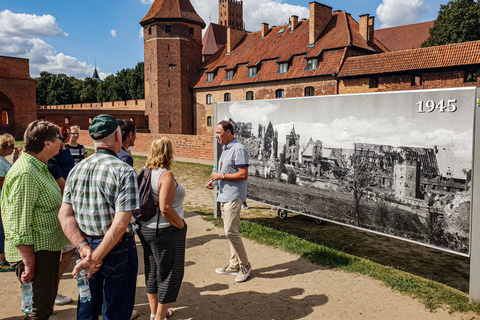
{"x": 96, "y": 214}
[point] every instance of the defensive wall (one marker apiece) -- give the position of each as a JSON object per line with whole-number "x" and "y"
{"x": 189, "y": 146}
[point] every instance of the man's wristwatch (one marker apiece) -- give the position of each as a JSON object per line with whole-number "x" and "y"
{"x": 224, "y": 177}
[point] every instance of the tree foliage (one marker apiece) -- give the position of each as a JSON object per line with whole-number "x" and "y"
{"x": 127, "y": 84}
{"x": 457, "y": 21}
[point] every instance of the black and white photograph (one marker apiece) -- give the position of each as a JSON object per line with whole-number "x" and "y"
{"x": 395, "y": 163}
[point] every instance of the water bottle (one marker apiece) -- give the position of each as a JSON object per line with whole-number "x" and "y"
{"x": 83, "y": 286}
{"x": 27, "y": 297}
{"x": 214, "y": 183}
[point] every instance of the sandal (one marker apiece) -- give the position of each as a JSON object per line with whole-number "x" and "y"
{"x": 169, "y": 314}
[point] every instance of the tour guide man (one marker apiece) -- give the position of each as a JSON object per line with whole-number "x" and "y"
{"x": 96, "y": 214}
{"x": 232, "y": 178}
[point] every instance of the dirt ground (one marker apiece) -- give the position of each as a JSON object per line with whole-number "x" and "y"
{"x": 282, "y": 286}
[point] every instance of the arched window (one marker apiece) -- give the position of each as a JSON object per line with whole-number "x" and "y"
{"x": 90, "y": 120}
{"x": 209, "y": 121}
{"x": 249, "y": 95}
{"x": 309, "y": 91}
{"x": 67, "y": 120}
{"x": 280, "y": 93}
{"x": 41, "y": 118}
{"x": 150, "y": 30}
{"x": 227, "y": 97}
{"x": 4, "y": 117}
{"x": 132, "y": 119}
{"x": 209, "y": 99}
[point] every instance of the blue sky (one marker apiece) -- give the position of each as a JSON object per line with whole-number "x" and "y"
{"x": 68, "y": 36}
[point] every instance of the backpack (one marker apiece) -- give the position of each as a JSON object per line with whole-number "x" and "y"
{"x": 148, "y": 207}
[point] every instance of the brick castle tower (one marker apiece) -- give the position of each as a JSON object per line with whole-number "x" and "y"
{"x": 172, "y": 33}
{"x": 230, "y": 13}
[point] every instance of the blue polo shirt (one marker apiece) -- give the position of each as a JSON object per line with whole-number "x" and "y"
{"x": 234, "y": 155}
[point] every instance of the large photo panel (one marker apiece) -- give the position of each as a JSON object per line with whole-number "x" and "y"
{"x": 396, "y": 163}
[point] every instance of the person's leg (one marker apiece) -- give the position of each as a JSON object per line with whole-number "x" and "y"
{"x": 231, "y": 220}
{"x": 92, "y": 309}
{"x": 44, "y": 283}
{"x": 65, "y": 262}
{"x": 144, "y": 234}
{"x": 120, "y": 268}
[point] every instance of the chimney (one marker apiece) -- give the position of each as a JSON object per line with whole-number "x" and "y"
{"x": 293, "y": 22}
{"x": 320, "y": 16}
{"x": 233, "y": 38}
{"x": 366, "y": 27}
{"x": 264, "y": 29}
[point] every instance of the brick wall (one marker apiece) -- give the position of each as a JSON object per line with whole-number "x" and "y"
{"x": 17, "y": 96}
{"x": 190, "y": 146}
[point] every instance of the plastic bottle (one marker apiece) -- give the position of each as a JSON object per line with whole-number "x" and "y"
{"x": 27, "y": 297}
{"x": 214, "y": 183}
{"x": 83, "y": 286}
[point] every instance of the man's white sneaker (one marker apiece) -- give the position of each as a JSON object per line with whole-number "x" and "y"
{"x": 227, "y": 270}
{"x": 243, "y": 273}
{"x": 61, "y": 300}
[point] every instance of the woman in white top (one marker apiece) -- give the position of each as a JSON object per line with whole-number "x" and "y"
{"x": 163, "y": 242}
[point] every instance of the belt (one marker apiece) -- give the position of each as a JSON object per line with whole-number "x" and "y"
{"x": 124, "y": 237}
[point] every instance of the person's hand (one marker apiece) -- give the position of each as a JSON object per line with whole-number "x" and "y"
{"x": 85, "y": 251}
{"x": 27, "y": 274}
{"x": 90, "y": 266}
{"x": 210, "y": 185}
{"x": 216, "y": 176}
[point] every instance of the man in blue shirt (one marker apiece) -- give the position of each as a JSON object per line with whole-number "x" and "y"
{"x": 232, "y": 178}
{"x": 129, "y": 134}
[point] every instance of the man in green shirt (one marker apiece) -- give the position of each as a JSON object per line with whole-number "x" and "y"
{"x": 30, "y": 203}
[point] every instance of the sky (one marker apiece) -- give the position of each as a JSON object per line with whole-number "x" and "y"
{"x": 73, "y": 37}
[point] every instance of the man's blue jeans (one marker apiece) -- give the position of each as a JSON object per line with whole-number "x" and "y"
{"x": 113, "y": 285}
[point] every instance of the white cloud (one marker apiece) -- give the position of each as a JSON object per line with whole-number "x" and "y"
{"x": 395, "y": 13}
{"x": 147, "y": 1}
{"x": 140, "y": 32}
{"x": 20, "y": 36}
{"x": 113, "y": 32}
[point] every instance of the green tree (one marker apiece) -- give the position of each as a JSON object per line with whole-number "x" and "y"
{"x": 457, "y": 21}
{"x": 88, "y": 91}
{"x": 42, "y": 84}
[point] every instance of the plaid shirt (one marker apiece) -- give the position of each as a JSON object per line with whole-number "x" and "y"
{"x": 99, "y": 186}
{"x": 30, "y": 202}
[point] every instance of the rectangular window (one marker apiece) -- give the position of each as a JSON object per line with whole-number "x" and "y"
{"x": 416, "y": 80}
{"x": 312, "y": 64}
{"x": 210, "y": 76}
{"x": 249, "y": 95}
{"x": 229, "y": 75}
{"x": 209, "y": 99}
{"x": 471, "y": 76}
{"x": 252, "y": 72}
{"x": 282, "y": 67}
{"x": 373, "y": 82}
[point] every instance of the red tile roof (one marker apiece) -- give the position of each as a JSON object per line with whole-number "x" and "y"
{"x": 404, "y": 37}
{"x": 214, "y": 39}
{"x": 450, "y": 55}
{"x": 172, "y": 10}
{"x": 280, "y": 46}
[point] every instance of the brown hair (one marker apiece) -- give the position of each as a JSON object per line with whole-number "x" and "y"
{"x": 6, "y": 141}
{"x": 37, "y": 133}
{"x": 160, "y": 154}
{"x": 64, "y": 128}
{"x": 227, "y": 126}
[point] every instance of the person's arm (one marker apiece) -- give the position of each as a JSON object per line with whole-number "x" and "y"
{"x": 241, "y": 174}
{"x": 116, "y": 231}
{"x": 166, "y": 185}
{"x": 61, "y": 183}
{"x": 28, "y": 259}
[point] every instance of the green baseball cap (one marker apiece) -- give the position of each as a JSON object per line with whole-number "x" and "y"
{"x": 102, "y": 126}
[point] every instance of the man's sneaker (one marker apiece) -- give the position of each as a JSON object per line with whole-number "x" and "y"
{"x": 244, "y": 206}
{"x": 243, "y": 273}
{"x": 227, "y": 270}
{"x": 61, "y": 300}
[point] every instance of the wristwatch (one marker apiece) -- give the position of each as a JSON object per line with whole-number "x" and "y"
{"x": 224, "y": 176}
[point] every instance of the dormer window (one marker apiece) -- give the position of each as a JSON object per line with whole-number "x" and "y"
{"x": 252, "y": 72}
{"x": 282, "y": 67}
{"x": 312, "y": 64}
{"x": 210, "y": 76}
{"x": 229, "y": 75}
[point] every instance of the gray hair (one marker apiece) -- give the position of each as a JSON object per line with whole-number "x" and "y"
{"x": 108, "y": 141}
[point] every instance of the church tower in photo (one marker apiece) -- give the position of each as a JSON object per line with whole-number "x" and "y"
{"x": 172, "y": 32}
{"x": 230, "y": 13}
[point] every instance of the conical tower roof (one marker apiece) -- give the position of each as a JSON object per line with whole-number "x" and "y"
{"x": 172, "y": 10}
